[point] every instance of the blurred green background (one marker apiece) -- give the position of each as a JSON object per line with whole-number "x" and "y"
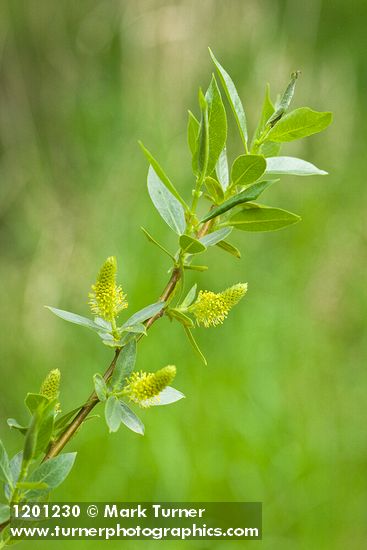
{"x": 277, "y": 415}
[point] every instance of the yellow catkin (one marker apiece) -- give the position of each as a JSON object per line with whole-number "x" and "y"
{"x": 211, "y": 309}
{"x": 51, "y": 385}
{"x": 144, "y": 388}
{"x": 106, "y": 299}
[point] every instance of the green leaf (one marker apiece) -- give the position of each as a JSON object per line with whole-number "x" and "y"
{"x": 138, "y": 328}
{"x": 285, "y": 100}
{"x": 251, "y": 193}
{"x": 216, "y": 236}
{"x": 256, "y": 217}
{"x": 203, "y": 138}
{"x": 266, "y": 112}
{"x": 144, "y": 314}
{"x": 103, "y": 324}
{"x": 194, "y": 344}
{"x": 53, "y": 472}
{"x": 112, "y": 413}
{"x": 63, "y": 421}
{"x": 100, "y": 387}
{"x": 162, "y": 175}
{"x": 193, "y": 127}
{"x": 217, "y": 121}
{"x": 46, "y": 426}
{"x": 15, "y": 465}
{"x": 30, "y": 441}
{"x": 214, "y": 189}
{"x": 228, "y": 247}
{"x": 154, "y": 241}
{"x": 191, "y": 245}
{"x": 12, "y": 423}
{"x": 129, "y": 418}
{"x": 300, "y": 123}
{"x": 167, "y": 396}
{"x": 4, "y": 513}
{"x": 233, "y": 98}
{"x": 181, "y": 317}
{"x": 270, "y": 149}
{"x": 124, "y": 365}
{"x": 222, "y": 169}
{"x": 74, "y": 318}
{"x": 5, "y": 472}
{"x": 292, "y": 166}
{"x": 190, "y": 297}
{"x": 167, "y": 205}
{"x": 34, "y": 400}
{"x": 196, "y": 267}
{"x": 247, "y": 168}
{"x": 32, "y": 485}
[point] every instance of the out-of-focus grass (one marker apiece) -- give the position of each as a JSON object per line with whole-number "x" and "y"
{"x": 277, "y": 414}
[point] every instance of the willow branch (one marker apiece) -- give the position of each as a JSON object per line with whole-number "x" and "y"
{"x": 75, "y": 424}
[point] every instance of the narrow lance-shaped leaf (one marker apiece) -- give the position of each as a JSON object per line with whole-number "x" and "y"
{"x": 196, "y": 267}
{"x": 194, "y": 344}
{"x": 214, "y": 189}
{"x": 138, "y": 328}
{"x": 190, "y": 297}
{"x": 181, "y": 317}
{"x": 247, "y": 168}
{"x": 233, "y": 98}
{"x": 32, "y": 485}
{"x": 203, "y": 138}
{"x": 5, "y": 473}
{"x": 191, "y": 245}
{"x": 168, "y": 396}
{"x": 291, "y": 166}
{"x": 266, "y": 112}
{"x": 162, "y": 175}
{"x": 46, "y": 425}
{"x": 230, "y": 248}
{"x": 112, "y": 413}
{"x": 74, "y": 318}
{"x": 222, "y": 169}
{"x": 144, "y": 314}
{"x": 129, "y": 418}
{"x": 154, "y": 241}
{"x": 30, "y": 441}
{"x": 285, "y": 100}
{"x": 13, "y": 423}
{"x": 64, "y": 420}
{"x": 300, "y": 123}
{"x": 256, "y": 217}
{"x": 193, "y": 126}
{"x": 100, "y": 387}
{"x": 217, "y": 124}
{"x": 167, "y": 205}
{"x": 124, "y": 365}
{"x": 251, "y": 193}
{"x": 216, "y": 236}
{"x": 15, "y": 465}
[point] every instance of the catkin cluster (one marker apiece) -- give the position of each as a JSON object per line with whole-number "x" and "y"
{"x": 211, "y": 309}
{"x": 144, "y": 388}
